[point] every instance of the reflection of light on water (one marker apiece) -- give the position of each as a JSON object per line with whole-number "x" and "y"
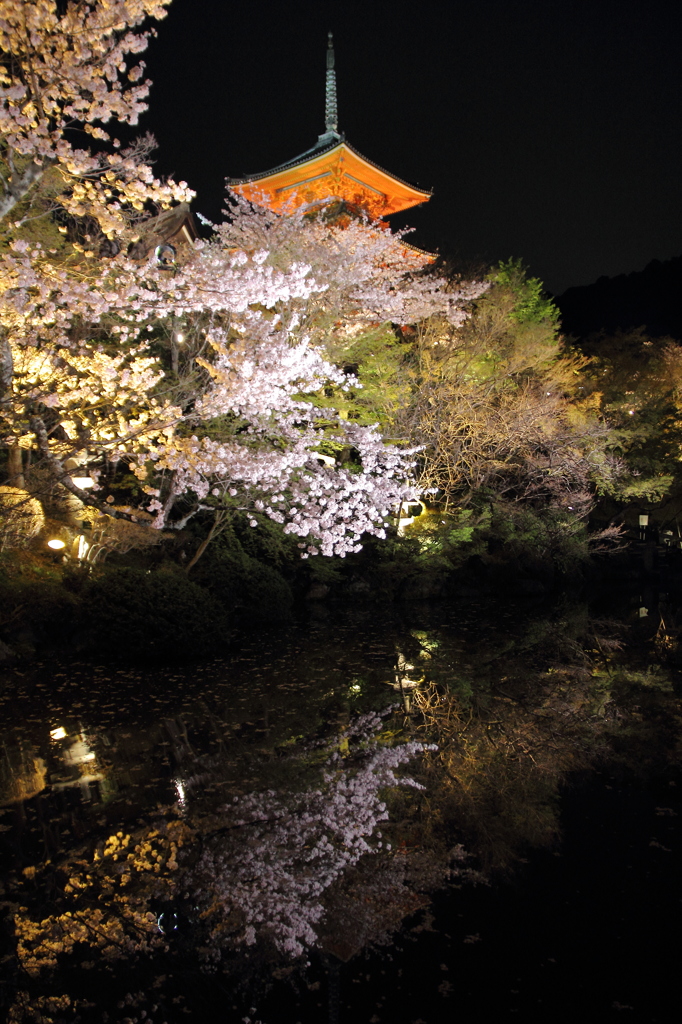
{"x": 78, "y": 752}
{"x": 83, "y": 782}
{"x": 23, "y": 774}
{"x": 402, "y": 678}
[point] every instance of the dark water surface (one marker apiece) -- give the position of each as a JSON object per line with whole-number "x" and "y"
{"x": 537, "y": 874}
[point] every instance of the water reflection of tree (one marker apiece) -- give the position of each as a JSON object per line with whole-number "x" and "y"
{"x": 200, "y": 894}
{"x": 508, "y": 732}
{"x": 22, "y": 770}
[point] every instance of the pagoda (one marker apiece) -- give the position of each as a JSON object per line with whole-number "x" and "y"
{"x": 331, "y": 170}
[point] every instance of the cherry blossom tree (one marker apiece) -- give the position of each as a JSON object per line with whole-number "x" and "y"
{"x": 242, "y": 427}
{"x": 64, "y": 71}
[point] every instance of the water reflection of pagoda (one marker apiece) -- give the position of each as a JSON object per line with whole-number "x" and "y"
{"x": 331, "y": 170}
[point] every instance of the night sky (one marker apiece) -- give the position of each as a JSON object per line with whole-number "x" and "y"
{"x": 547, "y": 130}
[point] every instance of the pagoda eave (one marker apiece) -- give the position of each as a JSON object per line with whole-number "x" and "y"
{"x": 336, "y": 170}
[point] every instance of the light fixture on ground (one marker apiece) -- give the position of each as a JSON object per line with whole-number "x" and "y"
{"x": 56, "y": 544}
{"x": 79, "y": 547}
{"x": 83, "y": 482}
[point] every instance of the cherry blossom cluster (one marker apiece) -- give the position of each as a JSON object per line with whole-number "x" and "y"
{"x": 369, "y": 273}
{"x": 264, "y": 875}
{"x": 274, "y": 469}
{"x": 77, "y": 377}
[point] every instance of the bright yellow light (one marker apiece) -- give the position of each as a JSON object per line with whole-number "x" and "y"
{"x": 58, "y": 734}
{"x": 56, "y": 544}
{"x": 179, "y": 337}
{"x": 83, "y": 481}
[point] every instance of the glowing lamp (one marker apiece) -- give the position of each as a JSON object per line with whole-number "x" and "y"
{"x": 179, "y": 337}
{"x": 165, "y": 255}
{"x": 56, "y": 544}
{"x": 643, "y": 526}
{"x": 58, "y": 734}
{"x": 83, "y": 481}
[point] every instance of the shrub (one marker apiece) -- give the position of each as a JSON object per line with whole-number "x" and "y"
{"x": 133, "y": 612}
{"x": 36, "y": 611}
{"x": 246, "y": 586}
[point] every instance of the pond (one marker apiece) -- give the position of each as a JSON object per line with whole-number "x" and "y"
{"x": 363, "y": 817}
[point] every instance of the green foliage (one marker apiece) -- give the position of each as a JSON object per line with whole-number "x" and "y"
{"x": 448, "y": 535}
{"x": 532, "y": 305}
{"x": 500, "y": 408}
{"x": 384, "y": 371}
{"x": 537, "y": 541}
{"x": 325, "y": 571}
{"x": 35, "y": 610}
{"x": 636, "y": 381}
{"x": 627, "y": 683}
{"x": 266, "y": 543}
{"x": 33, "y": 218}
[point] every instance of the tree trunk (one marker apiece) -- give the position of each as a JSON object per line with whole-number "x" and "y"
{"x": 15, "y": 466}
{"x": 6, "y": 364}
{"x": 217, "y": 522}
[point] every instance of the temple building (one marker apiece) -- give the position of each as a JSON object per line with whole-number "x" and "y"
{"x": 331, "y": 170}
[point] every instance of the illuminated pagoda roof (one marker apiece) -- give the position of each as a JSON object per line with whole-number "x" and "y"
{"x": 331, "y": 169}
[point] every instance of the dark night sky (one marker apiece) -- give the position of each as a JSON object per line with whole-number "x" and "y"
{"x": 547, "y": 130}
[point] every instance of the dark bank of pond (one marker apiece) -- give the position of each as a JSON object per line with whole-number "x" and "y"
{"x": 210, "y": 843}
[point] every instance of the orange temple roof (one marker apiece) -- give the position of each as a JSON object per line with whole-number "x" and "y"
{"x": 331, "y": 169}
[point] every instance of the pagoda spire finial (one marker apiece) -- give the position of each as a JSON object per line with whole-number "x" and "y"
{"x": 331, "y": 116}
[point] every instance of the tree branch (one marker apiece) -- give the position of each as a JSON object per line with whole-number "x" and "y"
{"x": 62, "y": 476}
{"x": 20, "y": 185}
